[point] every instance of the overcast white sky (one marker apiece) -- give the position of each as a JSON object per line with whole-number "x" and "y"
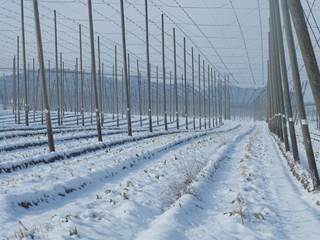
{"x": 217, "y": 36}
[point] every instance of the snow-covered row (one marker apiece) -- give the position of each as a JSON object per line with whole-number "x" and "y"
{"x": 229, "y": 182}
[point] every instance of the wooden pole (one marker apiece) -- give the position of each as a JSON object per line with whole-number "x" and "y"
{"x": 285, "y": 81}
{"x": 26, "y": 106}
{"x": 34, "y": 90}
{"x": 220, "y": 99}
{"x": 185, "y": 81}
{"x": 175, "y": 77}
{"x": 61, "y": 90}
{"x": 148, "y": 65}
{"x": 170, "y": 96}
{"x": 77, "y": 91}
{"x": 209, "y": 98}
{"x": 49, "y": 83}
{"x": 93, "y": 68}
{"x": 116, "y": 75}
{"x": 42, "y": 75}
{"x": 164, "y": 77}
{"x": 100, "y": 83}
{"x": 139, "y": 92}
{"x": 204, "y": 94}
{"x": 193, "y": 95}
{"x": 299, "y": 96}
{"x": 57, "y": 66}
{"x": 157, "y": 94}
{"x": 113, "y": 95}
{"x": 307, "y": 50}
{"x": 18, "y": 79}
{"x": 126, "y": 71}
{"x": 14, "y": 92}
{"x": 199, "y": 73}
{"x": 213, "y": 98}
{"x": 81, "y": 77}
{"x": 226, "y": 96}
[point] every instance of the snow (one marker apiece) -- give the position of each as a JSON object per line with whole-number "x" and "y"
{"x": 228, "y": 182}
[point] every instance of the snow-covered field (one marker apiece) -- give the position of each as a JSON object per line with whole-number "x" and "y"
{"x": 228, "y": 182}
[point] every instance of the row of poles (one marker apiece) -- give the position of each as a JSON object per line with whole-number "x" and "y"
{"x": 278, "y": 99}
{"x": 73, "y": 95}
{"x": 111, "y": 99}
{"x": 211, "y": 104}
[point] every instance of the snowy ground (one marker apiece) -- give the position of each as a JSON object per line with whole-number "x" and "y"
{"x": 227, "y": 182}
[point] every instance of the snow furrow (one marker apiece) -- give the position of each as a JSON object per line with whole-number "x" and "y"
{"x": 29, "y": 199}
{"x": 170, "y": 224}
{"x": 76, "y": 151}
{"x": 253, "y": 196}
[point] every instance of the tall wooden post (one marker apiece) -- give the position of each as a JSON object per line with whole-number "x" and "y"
{"x": 63, "y": 80}
{"x": 139, "y": 92}
{"x": 215, "y": 98}
{"x": 100, "y": 83}
{"x": 112, "y": 95}
{"x": 204, "y": 94}
{"x": 225, "y": 97}
{"x": 307, "y": 50}
{"x": 228, "y": 93}
{"x": 18, "y": 79}
{"x": 298, "y": 93}
{"x": 103, "y": 83}
{"x": 185, "y": 81}
{"x": 26, "y": 106}
{"x": 91, "y": 98}
{"x": 220, "y": 99}
{"x": 170, "y": 96}
{"x": 116, "y": 79}
{"x": 124, "y": 47}
{"x": 148, "y": 65}
{"x": 61, "y": 90}
{"x": 57, "y": 66}
{"x": 81, "y": 77}
{"x": 175, "y": 77}
{"x": 285, "y": 81}
{"x": 129, "y": 94}
{"x": 42, "y": 75}
{"x": 14, "y": 92}
{"x": 93, "y": 68}
{"x": 34, "y": 90}
{"x": 277, "y": 79}
{"x": 164, "y": 76}
{"x": 49, "y": 82}
{"x": 209, "y": 98}
{"x": 77, "y": 91}
{"x": 122, "y": 94}
{"x": 5, "y": 95}
{"x": 199, "y": 73}
{"x": 157, "y": 94}
{"x": 193, "y": 96}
